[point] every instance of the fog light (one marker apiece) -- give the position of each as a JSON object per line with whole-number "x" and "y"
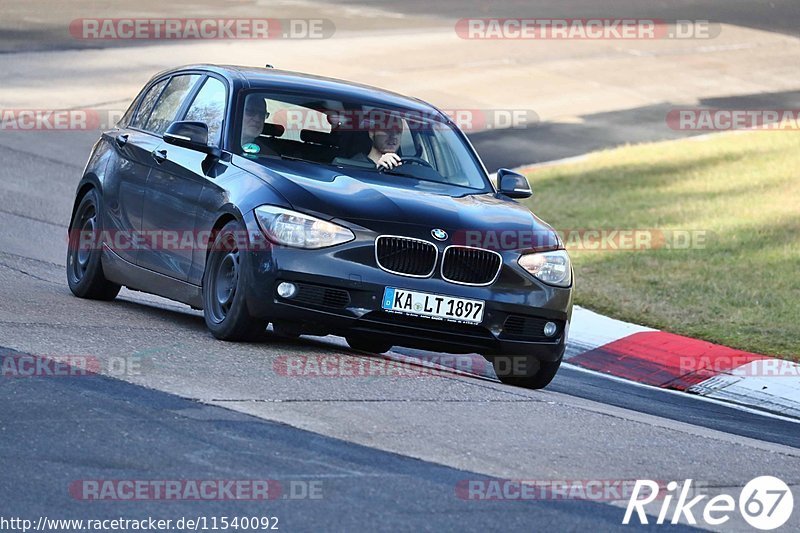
{"x": 287, "y": 290}
{"x": 550, "y": 329}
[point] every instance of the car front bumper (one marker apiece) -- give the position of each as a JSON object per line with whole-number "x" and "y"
{"x": 341, "y": 290}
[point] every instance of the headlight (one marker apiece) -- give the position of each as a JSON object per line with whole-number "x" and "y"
{"x": 551, "y": 267}
{"x": 291, "y": 228}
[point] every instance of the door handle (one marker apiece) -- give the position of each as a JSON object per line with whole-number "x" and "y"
{"x": 160, "y": 156}
{"x": 122, "y": 140}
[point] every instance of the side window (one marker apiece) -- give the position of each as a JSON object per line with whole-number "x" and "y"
{"x": 169, "y": 104}
{"x": 209, "y": 107}
{"x": 147, "y": 104}
{"x": 126, "y": 118}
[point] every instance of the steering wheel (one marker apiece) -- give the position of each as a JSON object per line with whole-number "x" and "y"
{"x": 416, "y": 160}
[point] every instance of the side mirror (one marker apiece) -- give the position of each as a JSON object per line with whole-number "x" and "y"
{"x": 191, "y": 135}
{"x": 513, "y": 184}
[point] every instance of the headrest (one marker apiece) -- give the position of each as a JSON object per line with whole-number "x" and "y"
{"x": 273, "y": 130}
{"x": 317, "y": 137}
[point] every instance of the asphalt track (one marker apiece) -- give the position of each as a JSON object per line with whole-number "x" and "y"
{"x": 45, "y": 30}
{"x": 515, "y": 147}
{"x": 400, "y": 444}
{"x": 389, "y": 451}
{"x": 99, "y": 428}
{"x": 772, "y": 15}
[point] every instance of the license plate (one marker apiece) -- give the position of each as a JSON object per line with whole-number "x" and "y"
{"x": 433, "y": 305}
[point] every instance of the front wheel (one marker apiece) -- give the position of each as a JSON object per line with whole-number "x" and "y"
{"x": 84, "y": 269}
{"x": 224, "y": 303}
{"x": 528, "y": 372}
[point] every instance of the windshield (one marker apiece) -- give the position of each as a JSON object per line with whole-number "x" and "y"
{"x": 355, "y": 135}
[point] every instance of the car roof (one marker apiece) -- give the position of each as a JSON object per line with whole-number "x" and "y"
{"x": 255, "y": 77}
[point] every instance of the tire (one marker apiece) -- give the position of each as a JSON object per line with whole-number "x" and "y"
{"x": 224, "y": 280}
{"x": 84, "y": 268}
{"x": 535, "y": 374}
{"x": 366, "y": 344}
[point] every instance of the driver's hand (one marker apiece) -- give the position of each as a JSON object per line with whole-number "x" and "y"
{"x": 389, "y": 161}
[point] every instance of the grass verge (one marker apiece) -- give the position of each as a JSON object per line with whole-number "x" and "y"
{"x": 734, "y": 198}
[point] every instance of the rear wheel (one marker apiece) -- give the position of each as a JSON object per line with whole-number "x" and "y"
{"x": 224, "y": 303}
{"x": 533, "y": 374}
{"x": 84, "y": 268}
{"x": 366, "y": 344}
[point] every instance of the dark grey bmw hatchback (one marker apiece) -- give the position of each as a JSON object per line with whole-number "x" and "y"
{"x": 323, "y": 207}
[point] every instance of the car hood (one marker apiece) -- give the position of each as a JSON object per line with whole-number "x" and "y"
{"x": 390, "y": 204}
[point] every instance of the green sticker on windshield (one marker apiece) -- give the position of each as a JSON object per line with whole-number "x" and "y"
{"x": 251, "y": 148}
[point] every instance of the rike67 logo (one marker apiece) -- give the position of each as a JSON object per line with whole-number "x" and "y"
{"x": 765, "y": 503}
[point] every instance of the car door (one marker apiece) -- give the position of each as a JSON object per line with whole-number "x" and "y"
{"x": 175, "y": 186}
{"x": 126, "y": 174}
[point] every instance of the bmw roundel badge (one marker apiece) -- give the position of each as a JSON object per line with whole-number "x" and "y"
{"x": 439, "y": 234}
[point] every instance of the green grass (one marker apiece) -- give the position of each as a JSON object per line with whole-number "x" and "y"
{"x": 742, "y": 289}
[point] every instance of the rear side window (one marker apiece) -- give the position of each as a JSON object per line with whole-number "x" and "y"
{"x": 168, "y": 105}
{"x": 295, "y": 118}
{"x": 209, "y": 107}
{"x": 147, "y": 104}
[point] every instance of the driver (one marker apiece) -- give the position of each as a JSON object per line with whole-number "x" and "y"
{"x": 385, "y": 142}
{"x": 384, "y": 132}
